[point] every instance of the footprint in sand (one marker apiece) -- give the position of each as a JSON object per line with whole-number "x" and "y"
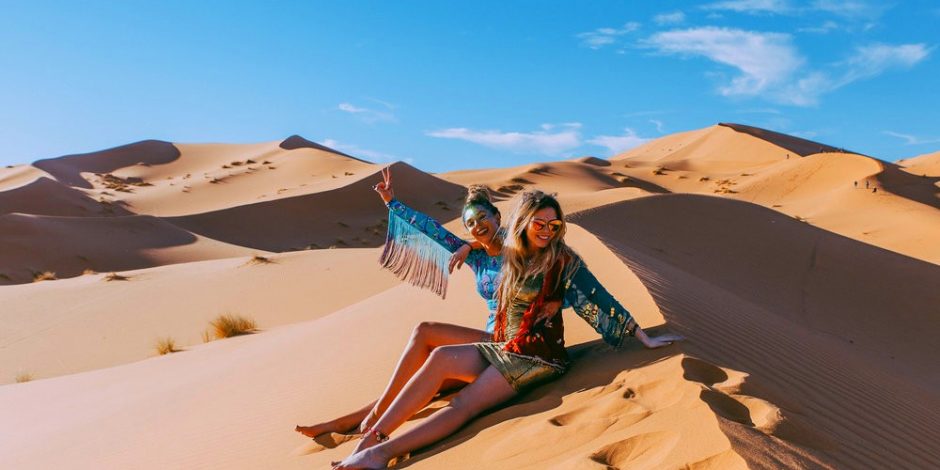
{"x": 727, "y": 460}
{"x": 612, "y": 408}
{"x": 587, "y": 415}
{"x": 324, "y": 441}
{"x": 640, "y": 451}
{"x": 720, "y": 389}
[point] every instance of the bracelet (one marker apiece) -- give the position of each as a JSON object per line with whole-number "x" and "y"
{"x": 632, "y": 330}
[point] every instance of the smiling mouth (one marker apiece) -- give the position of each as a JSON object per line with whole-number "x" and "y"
{"x": 482, "y": 231}
{"x": 544, "y": 237}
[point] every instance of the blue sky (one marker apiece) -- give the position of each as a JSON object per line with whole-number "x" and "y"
{"x": 449, "y": 86}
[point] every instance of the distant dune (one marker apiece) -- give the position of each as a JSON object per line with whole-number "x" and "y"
{"x": 802, "y": 275}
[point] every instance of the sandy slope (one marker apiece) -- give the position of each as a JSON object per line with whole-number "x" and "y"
{"x": 823, "y": 325}
{"x": 927, "y": 164}
{"x": 808, "y": 302}
{"x": 348, "y": 216}
{"x": 69, "y": 245}
{"x": 47, "y": 333}
{"x": 818, "y": 187}
{"x": 618, "y": 407}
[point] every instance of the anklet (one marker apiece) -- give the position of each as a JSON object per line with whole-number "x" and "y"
{"x": 379, "y": 435}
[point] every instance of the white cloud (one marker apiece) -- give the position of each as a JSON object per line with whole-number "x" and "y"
{"x": 872, "y": 60}
{"x": 826, "y": 27}
{"x": 606, "y": 36}
{"x": 770, "y": 66}
{"x": 366, "y": 114}
{"x": 658, "y": 124}
{"x": 760, "y": 111}
{"x": 763, "y": 59}
{"x": 910, "y": 139}
{"x": 866, "y": 62}
{"x": 751, "y": 6}
{"x": 551, "y": 140}
{"x": 371, "y": 155}
{"x": 619, "y": 143}
{"x": 645, "y": 113}
{"x": 851, "y": 9}
{"x": 675, "y": 17}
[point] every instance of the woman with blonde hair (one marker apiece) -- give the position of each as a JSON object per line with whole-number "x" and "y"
{"x": 539, "y": 274}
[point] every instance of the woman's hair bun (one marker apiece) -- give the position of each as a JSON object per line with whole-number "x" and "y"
{"x": 478, "y": 193}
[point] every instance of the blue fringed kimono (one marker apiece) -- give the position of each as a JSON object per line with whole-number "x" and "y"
{"x": 418, "y": 249}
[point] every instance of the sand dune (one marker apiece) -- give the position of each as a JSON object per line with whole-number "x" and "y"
{"x": 716, "y": 148}
{"x": 69, "y": 169}
{"x": 802, "y": 275}
{"x": 620, "y": 406}
{"x": 44, "y": 196}
{"x": 349, "y": 216}
{"x": 48, "y": 334}
{"x": 831, "y": 316}
{"x": 69, "y": 245}
{"x": 818, "y": 188}
{"x": 927, "y": 164}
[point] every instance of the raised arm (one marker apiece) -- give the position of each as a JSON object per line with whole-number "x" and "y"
{"x": 417, "y": 247}
{"x": 421, "y": 222}
{"x": 424, "y": 224}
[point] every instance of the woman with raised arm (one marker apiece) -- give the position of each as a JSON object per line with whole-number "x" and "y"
{"x": 419, "y": 249}
{"x": 539, "y": 274}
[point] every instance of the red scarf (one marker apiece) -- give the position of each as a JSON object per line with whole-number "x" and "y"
{"x": 541, "y": 332}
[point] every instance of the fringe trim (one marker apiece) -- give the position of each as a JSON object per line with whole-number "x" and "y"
{"x": 414, "y": 257}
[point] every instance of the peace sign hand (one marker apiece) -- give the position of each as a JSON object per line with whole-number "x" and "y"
{"x": 384, "y": 188}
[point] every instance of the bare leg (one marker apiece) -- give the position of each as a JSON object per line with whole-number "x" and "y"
{"x": 461, "y": 362}
{"x": 425, "y": 337}
{"x": 488, "y": 390}
{"x": 343, "y": 424}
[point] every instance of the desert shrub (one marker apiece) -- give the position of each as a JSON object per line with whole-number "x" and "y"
{"x": 228, "y": 325}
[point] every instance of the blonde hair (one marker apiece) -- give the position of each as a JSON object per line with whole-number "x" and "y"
{"x": 518, "y": 263}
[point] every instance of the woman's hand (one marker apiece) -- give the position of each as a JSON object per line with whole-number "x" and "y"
{"x": 656, "y": 341}
{"x": 457, "y": 259}
{"x": 384, "y": 188}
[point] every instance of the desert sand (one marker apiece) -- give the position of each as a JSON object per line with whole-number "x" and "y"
{"x": 803, "y": 276}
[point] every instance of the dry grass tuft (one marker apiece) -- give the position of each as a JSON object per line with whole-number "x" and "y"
{"x": 88, "y": 272}
{"x": 258, "y": 259}
{"x": 166, "y": 346}
{"x": 206, "y": 337}
{"x": 228, "y": 325}
{"x": 23, "y": 377}
{"x": 44, "y": 276}
{"x": 115, "y": 277}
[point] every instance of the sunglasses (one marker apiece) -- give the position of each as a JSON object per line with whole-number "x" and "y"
{"x": 554, "y": 225}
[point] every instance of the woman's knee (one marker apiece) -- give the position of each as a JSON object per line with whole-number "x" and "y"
{"x": 423, "y": 333}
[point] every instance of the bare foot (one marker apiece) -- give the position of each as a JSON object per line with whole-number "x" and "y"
{"x": 367, "y": 459}
{"x": 368, "y": 440}
{"x": 323, "y": 428}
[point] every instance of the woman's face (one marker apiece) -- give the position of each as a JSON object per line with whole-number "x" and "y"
{"x": 481, "y": 223}
{"x": 542, "y": 227}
